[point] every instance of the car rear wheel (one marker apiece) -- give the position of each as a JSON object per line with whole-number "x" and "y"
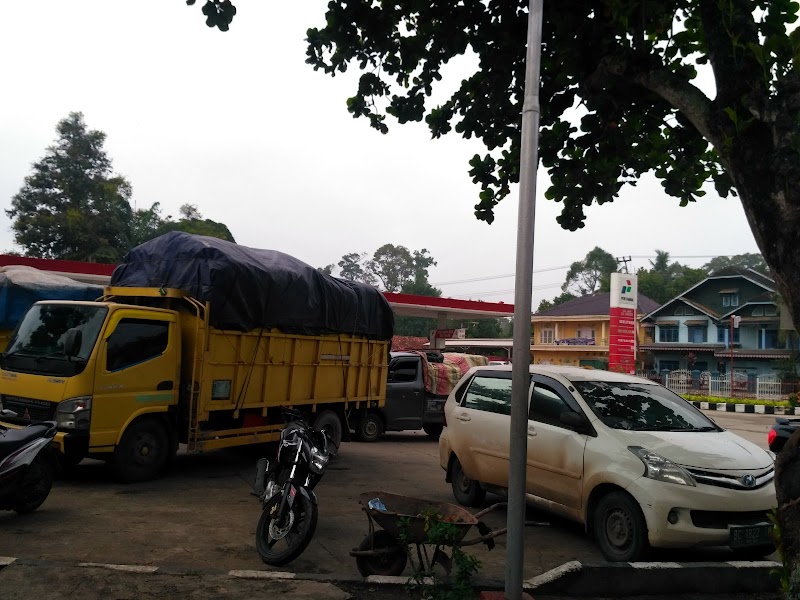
{"x": 466, "y": 491}
{"x": 619, "y": 528}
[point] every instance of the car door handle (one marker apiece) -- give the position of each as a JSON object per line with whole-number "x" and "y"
{"x": 463, "y": 417}
{"x": 531, "y": 432}
{"x": 165, "y": 385}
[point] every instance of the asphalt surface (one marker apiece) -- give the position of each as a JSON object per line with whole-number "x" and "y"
{"x": 200, "y": 517}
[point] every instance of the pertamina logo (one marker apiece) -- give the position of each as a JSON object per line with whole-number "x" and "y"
{"x": 626, "y": 288}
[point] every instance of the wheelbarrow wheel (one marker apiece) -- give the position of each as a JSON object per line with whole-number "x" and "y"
{"x": 390, "y": 563}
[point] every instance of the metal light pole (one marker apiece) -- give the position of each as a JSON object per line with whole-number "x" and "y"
{"x": 520, "y": 378}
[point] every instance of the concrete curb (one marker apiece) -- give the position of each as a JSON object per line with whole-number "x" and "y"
{"x": 760, "y": 409}
{"x": 572, "y": 578}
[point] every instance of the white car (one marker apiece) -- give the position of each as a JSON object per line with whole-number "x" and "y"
{"x": 634, "y": 462}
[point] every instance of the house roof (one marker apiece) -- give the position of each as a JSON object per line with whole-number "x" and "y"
{"x": 728, "y": 272}
{"x": 594, "y": 304}
{"x": 754, "y": 276}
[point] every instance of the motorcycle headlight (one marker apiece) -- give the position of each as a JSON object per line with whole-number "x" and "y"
{"x": 318, "y": 461}
{"x": 661, "y": 469}
{"x": 75, "y": 413}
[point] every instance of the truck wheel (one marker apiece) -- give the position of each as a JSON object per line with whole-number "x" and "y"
{"x": 465, "y": 490}
{"x": 433, "y": 429}
{"x": 369, "y": 428}
{"x": 328, "y": 421}
{"x": 143, "y": 451}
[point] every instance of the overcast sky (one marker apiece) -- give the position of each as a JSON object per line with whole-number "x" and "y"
{"x": 239, "y": 125}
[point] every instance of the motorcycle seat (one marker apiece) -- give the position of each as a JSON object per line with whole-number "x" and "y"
{"x": 12, "y": 439}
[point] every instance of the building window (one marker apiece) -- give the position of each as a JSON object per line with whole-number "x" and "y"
{"x": 771, "y": 341}
{"x": 679, "y": 311}
{"x": 721, "y": 339}
{"x": 770, "y": 311}
{"x": 668, "y": 365}
{"x": 758, "y": 311}
{"x": 586, "y": 333}
{"x": 698, "y": 334}
{"x": 547, "y": 336}
{"x": 668, "y": 334}
{"x": 730, "y": 299}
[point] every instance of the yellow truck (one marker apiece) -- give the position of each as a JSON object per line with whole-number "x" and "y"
{"x": 130, "y": 377}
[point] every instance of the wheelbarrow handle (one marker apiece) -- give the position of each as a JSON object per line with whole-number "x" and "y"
{"x": 485, "y": 511}
{"x": 498, "y": 532}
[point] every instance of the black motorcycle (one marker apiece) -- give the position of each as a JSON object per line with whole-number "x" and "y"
{"x": 26, "y": 467}
{"x": 285, "y": 488}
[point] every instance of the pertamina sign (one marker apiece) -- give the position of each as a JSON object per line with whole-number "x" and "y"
{"x": 622, "y": 333}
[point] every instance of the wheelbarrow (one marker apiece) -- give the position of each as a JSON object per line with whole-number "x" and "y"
{"x": 396, "y": 522}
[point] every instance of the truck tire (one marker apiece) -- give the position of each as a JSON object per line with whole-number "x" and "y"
{"x": 329, "y": 421}
{"x": 369, "y": 428}
{"x": 433, "y": 429}
{"x": 142, "y": 452}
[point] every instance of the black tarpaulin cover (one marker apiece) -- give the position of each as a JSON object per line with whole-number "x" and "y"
{"x": 250, "y": 288}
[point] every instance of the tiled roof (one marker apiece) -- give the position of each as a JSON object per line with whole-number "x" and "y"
{"x": 595, "y": 304}
{"x": 759, "y": 278}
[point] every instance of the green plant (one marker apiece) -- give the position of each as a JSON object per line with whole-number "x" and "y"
{"x": 793, "y": 400}
{"x": 461, "y": 566}
{"x": 754, "y": 401}
{"x": 789, "y": 579}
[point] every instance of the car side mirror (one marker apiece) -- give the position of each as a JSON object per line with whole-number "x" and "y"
{"x": 575, "y": 421}
{"x": 72, "y": 342}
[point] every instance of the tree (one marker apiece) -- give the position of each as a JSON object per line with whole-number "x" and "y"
{"x": 353, "y": 267}
{"x": 744, "y": 261}
{"x": 618, "y": 98}
{"x": 560, "y": 299}
{"x": 393, "y": 266}
{"x": 193, "y": 222}
{"x": 590, "y": 275}
{"x": 72, "y": 206}
{"x": 665, "y": 280}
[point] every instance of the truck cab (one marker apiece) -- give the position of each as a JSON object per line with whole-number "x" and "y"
{"x": 409, "y": 407}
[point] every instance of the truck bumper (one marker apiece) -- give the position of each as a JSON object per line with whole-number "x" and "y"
{"x": 73, "y": 446}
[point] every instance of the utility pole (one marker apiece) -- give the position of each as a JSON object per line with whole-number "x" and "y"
{"x": 625, "y": 260}
{"x": 523, "y": 289}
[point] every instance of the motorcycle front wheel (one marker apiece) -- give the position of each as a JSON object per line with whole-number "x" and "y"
{"x": 281, "y": 540}
{"x": 35, "y": 485}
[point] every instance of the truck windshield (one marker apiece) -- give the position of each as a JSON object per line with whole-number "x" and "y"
{"x": 38, "y": 344}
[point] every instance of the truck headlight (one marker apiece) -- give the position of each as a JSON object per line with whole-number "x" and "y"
{"x": 75, "y": 413}
{"x": 661, "y": 469}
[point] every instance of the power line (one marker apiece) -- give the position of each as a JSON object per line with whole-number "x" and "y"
{"x": 647, "y": 256}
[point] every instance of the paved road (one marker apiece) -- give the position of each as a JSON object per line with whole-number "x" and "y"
{"x": 201, "y": 515}
{"x": 751, "y": 427}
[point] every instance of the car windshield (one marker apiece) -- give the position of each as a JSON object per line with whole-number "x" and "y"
{"x": 642, "y": 407}
{"x": 42, "y": 331}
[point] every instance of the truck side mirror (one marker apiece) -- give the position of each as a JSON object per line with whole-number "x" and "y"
{"x": 72, "y": 342}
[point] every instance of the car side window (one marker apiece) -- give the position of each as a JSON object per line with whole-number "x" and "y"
{"x": 489, "y": 394}
{"x": 135, "y": 341}
{"x": 547, "y": 405}
{"x": 403, "y": 370}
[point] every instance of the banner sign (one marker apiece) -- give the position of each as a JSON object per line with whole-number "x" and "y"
{"x": 623, "y": 330}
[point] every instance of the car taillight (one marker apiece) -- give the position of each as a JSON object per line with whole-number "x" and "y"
{"x": 771, "y": 436}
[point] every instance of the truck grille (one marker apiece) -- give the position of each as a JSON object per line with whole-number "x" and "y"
{"x": 28, "y": 409}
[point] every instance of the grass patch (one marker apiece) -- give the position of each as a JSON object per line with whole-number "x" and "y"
{"x": 754, "y": 401}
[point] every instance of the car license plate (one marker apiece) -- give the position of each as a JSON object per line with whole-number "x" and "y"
{"x": 750, "y": 535}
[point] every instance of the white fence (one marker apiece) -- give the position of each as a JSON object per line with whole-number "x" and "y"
{"x": 764, "y": 387}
